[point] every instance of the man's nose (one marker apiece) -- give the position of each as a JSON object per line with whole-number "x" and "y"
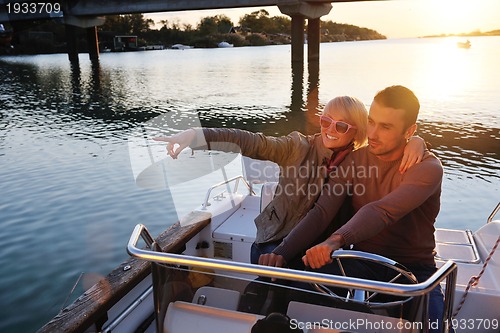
{"x": 372, "y": 132}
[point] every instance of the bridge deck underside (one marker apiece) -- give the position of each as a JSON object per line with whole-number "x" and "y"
{"x": 113, "y": 7}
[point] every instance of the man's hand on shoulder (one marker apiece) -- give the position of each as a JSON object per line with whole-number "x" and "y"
{"x": 428, "y": 170}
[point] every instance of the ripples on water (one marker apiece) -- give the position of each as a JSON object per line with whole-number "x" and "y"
{"x": 68, "y": 199}
{"x": 466, "y": 150}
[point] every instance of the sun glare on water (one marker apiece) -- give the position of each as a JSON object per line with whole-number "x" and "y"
{"x": 448, "y": 69}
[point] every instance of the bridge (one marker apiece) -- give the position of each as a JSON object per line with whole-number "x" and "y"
{"x": 88, "y": 14}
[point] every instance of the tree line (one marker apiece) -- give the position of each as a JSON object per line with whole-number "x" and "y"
{"x": 256, "y": 28}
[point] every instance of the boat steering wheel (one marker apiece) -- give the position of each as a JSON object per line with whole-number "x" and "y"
{"x": 363, "y": 296}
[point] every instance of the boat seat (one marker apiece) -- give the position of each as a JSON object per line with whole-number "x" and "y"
{"x": 185, "y": 317}
{"x": 217, "y": 297}
{"x": 456, "y": 245}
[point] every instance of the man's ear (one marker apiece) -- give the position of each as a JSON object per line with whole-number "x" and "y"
{"x": 410, "y": 131}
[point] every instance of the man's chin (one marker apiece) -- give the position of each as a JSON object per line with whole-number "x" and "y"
{"x": 377, "y": 151}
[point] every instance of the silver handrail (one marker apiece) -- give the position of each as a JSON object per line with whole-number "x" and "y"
{"x": 234, "y": 179}
{"x": 448, "y": 270}
{"x": 493, "y": 213}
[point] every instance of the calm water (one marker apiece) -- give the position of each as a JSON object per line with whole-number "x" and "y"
{"x": 68, "y": 200}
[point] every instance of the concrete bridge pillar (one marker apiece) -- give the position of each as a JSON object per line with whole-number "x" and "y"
{"x": 313, "y": 39}
{"x": 93, "y": 43}
{"x": 90, "y": 25}
{"x": 299, "y": 11}
{"x": 298, "y": 23}
{"x": 72, "y": 43}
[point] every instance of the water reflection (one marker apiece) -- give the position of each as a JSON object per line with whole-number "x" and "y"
{"x": 303, "y": 115}
{"x": 95, "y": 93}
{"x": 78, "y": 82}
{"x": 312, "y": 100}
{"x": 297, "y": 89}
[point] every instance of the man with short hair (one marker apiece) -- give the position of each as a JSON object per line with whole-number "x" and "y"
{"x": 394, "y": 213}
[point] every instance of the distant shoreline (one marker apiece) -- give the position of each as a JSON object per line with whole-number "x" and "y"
{"x": 469, "y": 34}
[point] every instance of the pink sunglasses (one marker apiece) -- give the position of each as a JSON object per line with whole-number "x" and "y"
{"x": 341, "y": 127}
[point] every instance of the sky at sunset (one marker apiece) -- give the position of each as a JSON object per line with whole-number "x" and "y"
{"x": 395, "y": 18}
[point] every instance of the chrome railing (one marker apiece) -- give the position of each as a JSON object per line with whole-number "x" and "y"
{"x": 448, "y": 271}
{"x": 234, "y": 179}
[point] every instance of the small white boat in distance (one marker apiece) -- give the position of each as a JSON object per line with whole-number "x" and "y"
{"x": 224, "y": 45}
{"x": 464, "y": 45}
{"x": 181, "y": 47}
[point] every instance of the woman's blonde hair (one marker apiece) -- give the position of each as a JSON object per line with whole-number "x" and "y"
{"x": 354, "y": 112}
